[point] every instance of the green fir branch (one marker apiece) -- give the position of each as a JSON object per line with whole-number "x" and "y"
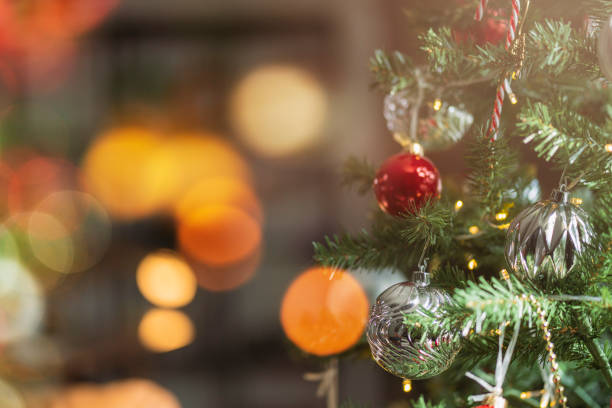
{"x": 492, "y": 166}
{"x": 393, "y": 242}
{"x": 392, "y": 72}
{"x": 358, "y": 173}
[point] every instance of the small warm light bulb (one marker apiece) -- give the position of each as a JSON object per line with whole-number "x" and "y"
{"x": 500, "y": 216}
{"x": 437, "y": 104}
{"x": 474, "y": 230}
{"x": 504, "y": 274}
{"x": 576, "y": 200}
{"x": 458, "y": 205}
{"x": 472, "y": 264}
{"x": 525, "y": 395}
{"x": 407, "y": 385}
{"x": 609, "y": 148}
{"x": 513, "y": 99}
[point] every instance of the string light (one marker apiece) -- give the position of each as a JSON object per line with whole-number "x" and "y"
{"x": 576, "y": 200}
{"x": 407, "y": 385}
{"x": 437, "y": 105}
{"x": 472, "y": 264}
{"x": 458, "y": 205}
{"x": 500, "y": 216}
{"x": 609, "y": 148}
{"x": 505, "y": 275}
{"x": 474, "y": 229}
{"x": 513, "y": 99}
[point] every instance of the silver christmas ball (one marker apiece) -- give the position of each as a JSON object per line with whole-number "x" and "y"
{"x": 544, "y": 240}
{"x": 402, "y": 350}
{"x": 605, "y": 49}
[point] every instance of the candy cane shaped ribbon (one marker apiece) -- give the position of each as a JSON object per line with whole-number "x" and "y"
{"x": 502, "y": 90}
{"x": 514, "y": 18}
{"x": 482, "y": 5}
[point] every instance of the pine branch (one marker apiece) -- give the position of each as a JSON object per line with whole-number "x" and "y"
{"x": 393, "y": 242}
{"x": 422, "y": 403}
{"x": 569, "y": 138}
{"x": 492, "y": 165}
{"x": 392, "y": 72}
{"x": 601, "y": 360}
{"x": 360, "y": 173}
{"x": 555, "y": 49}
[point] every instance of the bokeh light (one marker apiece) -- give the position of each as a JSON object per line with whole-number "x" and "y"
{"x": 119, "y": 171}
{"x": 86, "y": 224}
{"x": 279, "y": 110}
{"x": 66, "y": 18}
{"x": 227, "y": 277}
{"x": 221, "y": 190}
{"x": 32, "y": 358}
{"x": 132, "y": 393}
{"x": 195, "y": 157}
{"x": 50, "y": 242}
{"x": 218, "y": 235}
{"x": 9, "y": 397}
{"x": 35, "y": 179}
{"x": 166, "y": 280}
{"x": 324, "y": 311}
{"x": 21, "y": 302}
{"x": 164, "y": 330}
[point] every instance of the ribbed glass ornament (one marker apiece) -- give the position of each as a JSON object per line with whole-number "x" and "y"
{"x": 605, "y": 49}
{"x": 404, "y": 351}
{"x": 544, "y": 240}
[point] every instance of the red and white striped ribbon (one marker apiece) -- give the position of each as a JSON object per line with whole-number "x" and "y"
{"x": 482, "y": 5}
{"x": 502, "y": 90}
{"x": 514, "y": 18}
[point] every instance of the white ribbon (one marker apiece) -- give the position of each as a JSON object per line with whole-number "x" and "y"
{"x": 495, "y": 393}
{"x": 328, "y": 386}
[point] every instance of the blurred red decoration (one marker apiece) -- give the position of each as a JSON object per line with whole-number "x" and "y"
{"x": 491, "y": 30}
{"x": 35, "y": 179}
{"x": 405, "y": 182}
{"x": 37, "y": 38}
{"x": 63, "y": 18}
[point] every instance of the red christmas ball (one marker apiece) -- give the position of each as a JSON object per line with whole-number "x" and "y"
{"x": 491, "y": 30}
{"x": 405, "y": 182}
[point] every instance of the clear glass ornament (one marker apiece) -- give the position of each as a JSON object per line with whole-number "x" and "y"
{"x": 397, "y": 111}
{"x": 605, "y": 49}
{"x": 444, "y": 126}
{"x": 544, "y": 240}
{"x": 402, "y": 350}
{"x": 438, "y": 124}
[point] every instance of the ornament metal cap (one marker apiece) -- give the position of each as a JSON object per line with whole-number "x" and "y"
{"x": 560, "y": 195}
{"x": 421, "y": 278}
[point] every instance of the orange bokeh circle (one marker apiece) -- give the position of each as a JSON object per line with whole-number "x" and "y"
{"x": 324, "y": 311}
{"x": 219, "y": 190}
{"x": 218, "y": 235}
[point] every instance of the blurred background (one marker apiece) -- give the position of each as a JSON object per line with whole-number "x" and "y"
{"x": 165, "y": 168}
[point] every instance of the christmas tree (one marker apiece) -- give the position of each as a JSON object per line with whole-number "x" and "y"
{"x": 507, "y": 295}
